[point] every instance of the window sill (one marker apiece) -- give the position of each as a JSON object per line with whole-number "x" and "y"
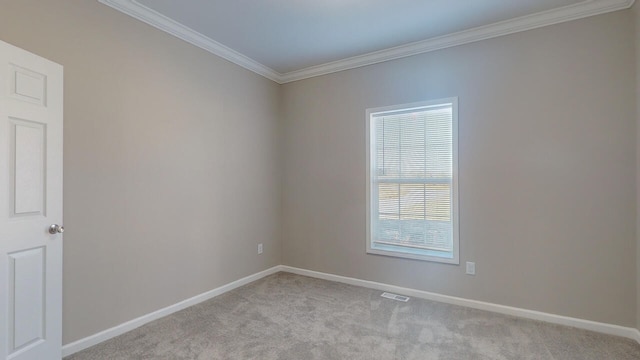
{"x": 453, "y": 259}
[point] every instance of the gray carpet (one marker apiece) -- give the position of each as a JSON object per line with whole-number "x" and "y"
{"x": 286, "y": 316}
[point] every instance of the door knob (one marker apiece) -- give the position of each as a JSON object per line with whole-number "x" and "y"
{"x": 56, "y": 229}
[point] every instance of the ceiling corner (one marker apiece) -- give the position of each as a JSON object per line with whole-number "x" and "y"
{"x": 576, "y": 11}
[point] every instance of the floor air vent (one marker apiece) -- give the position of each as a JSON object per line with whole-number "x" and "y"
{"x": 395, "y": 297}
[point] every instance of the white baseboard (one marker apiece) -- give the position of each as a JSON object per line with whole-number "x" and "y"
{"x": 604, "y": 328}
{"x": 95, "y": 339}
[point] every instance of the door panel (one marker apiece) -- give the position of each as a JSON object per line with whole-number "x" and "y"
{"x": 28, "y": 154}
{"x": 30, "y": 201}
{"x": 26, "y": 297}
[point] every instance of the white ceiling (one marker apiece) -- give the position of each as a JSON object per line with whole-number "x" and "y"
{"x": 289, "y": 36}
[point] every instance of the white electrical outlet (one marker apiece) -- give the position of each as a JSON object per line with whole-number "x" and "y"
{"x": 471, "y": 268}
{"x": 259, "y": 248}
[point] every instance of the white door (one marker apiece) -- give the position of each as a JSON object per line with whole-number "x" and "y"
{"x": 30, "y": 202}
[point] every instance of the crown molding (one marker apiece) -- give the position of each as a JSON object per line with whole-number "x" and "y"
{"x": 563, "y": 14}
{"x": 577, "y": 11}
{"x": 157, "y": 20}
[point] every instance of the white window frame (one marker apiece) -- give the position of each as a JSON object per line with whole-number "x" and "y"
{"x": 371, "y": 167}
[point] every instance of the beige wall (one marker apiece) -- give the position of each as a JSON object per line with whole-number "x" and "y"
{"x": 547, "y": 169}
{"x": 636, "y": 14}
{"x": 170, "y": 162}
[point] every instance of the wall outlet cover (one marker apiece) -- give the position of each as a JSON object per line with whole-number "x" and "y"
{"x": 471, "y": 268}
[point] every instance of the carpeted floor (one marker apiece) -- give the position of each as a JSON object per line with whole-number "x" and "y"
{"x": 286, "y": 316}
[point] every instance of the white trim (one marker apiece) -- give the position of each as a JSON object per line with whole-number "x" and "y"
{"x": 555, "y": 16}
{"x": 105, "y": 335}
{"x": 157, "y": 20}
{"x": 604, "y": 328}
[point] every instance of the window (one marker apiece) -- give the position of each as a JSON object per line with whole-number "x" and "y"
{"x": 412, "y": 181}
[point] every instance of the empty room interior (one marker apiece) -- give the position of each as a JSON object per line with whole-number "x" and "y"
{"x": 340, "y": 179}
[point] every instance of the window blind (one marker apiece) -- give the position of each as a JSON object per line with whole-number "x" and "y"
{"x": 412, "y": 180}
